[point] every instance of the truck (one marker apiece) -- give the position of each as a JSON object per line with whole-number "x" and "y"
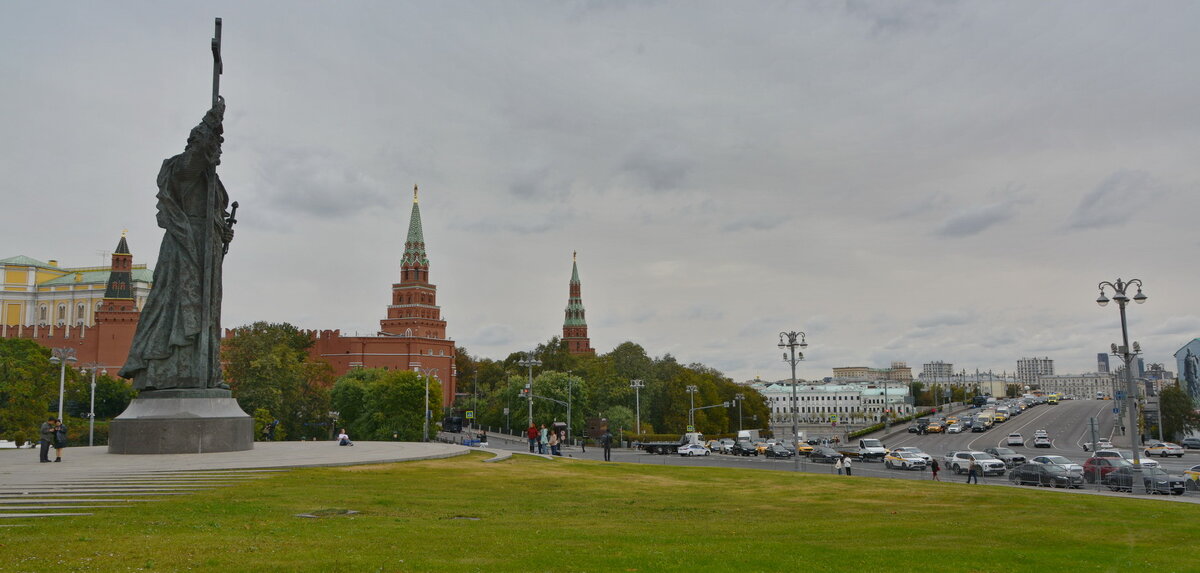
{"x": 672, "y": 447}
{"x": 749, "y": 435}
{"x": 871, "y": 449}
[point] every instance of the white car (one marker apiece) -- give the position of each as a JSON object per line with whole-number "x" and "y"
{"x": 1041, "y": 434}
{"x": 954, "y": 429}
{"x": 1101, "y": 444}
{"x": 1164, "y": 449}
{"x": 1060, "y": 462}
{"x": 693, "y": 450}
{"x": 1016, "y": 440}
{"x": 1127, "y": 456}
{"x": 914, "y": 450}
{"x": 1041, "y": 442}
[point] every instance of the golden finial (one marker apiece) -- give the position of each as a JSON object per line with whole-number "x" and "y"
{"x": 123, "y": 231}
{"x": 414, "y": 193}
{"x": 574, "y": 254}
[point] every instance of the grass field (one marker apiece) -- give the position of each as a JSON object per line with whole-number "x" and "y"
{"x": 530, "y": 514}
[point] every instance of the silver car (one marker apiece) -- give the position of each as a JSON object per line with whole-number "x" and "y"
{"x": 1059, "y": 461}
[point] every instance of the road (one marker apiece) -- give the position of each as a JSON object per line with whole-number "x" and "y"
{"x": 1066, "y": 423}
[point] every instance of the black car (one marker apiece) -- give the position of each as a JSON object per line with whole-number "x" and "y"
{"x": 778, "y": 451}
{"x": 1190, "y": 443}
{"x": 824, "y": 454}
{"x": 977, "y": 427}
{"x": 1044, "y": 475}
{"x": 1007, "y": 455}
{"x": 744, "y": 449}
{"x": 1156, "y": 480}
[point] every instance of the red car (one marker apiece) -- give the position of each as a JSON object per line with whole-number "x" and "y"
{"x": 1094, "y": 469}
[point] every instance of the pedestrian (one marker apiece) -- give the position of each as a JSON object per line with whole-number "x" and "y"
{"x": 973, "y": 472}
{"x": 936, "y": 468}
{"x": 60, "y": 440}
{"x": 543, "y": 439}
{"x": 47, "y": 437}
{"x": 531, "y": 433}
{"x": 554, "y": 444}
{"x": 606, "y": 441}
{"x": 847, "y": 465}
{"x": 344, "y": 439}
{"x": 838, "y": 464}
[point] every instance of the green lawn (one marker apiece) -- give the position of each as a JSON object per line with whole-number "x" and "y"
{"x": 529, "y": 514}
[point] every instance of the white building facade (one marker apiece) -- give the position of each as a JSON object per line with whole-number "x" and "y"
{"x": 844, "y": 402}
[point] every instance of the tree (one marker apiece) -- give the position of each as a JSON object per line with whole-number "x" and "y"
{"x": 28, "y": 384}
{"x": 379, "y": 404}
{"x": 1179, "y": 416}
{"x": 113, "y": 395}
{"x": 268, "y": 368}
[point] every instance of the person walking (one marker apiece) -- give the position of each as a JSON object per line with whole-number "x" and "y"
{"x": 935, "y": 468}
{"x": 838, "y": 464}
{"x": 606, "y": 441}
{"x": 847, "y": 466}
{"x": 47, "y": 437}
{"x": 60, "y": 439}
{"x": 543, "y": 439}
{"x": 532, "y": 434}
{"x": 554, "y": 444}
{"x": 973, "y": 472}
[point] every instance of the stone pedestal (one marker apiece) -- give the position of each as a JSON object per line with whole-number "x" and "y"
{"x": 181, "y": 422}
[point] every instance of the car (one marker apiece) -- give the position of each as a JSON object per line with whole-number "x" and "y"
{"x": 1155, "y": 480}
{"x": 823, "y": 454}
{"x": 1096, "y": 468}
{"x": 914, "y": 450}
{"x": 779, "y": 451}
{"x": 693, "y": 450}
{"x": 954, "y": 429}
{"x": 744, "y": 449}
{"x": 1146, "y": 462}
{"x": 934, "y": 428}
{"x": 960, "y": 462}
{"x": 1044, "y": 475}
{"x": 1060, "y": 462}
{"x": 1164, "y": 449}
{"x": 1101, "y": 444}
{"x": 1006, "y": 455}
{"x": 1041, "y": 433}
{"x": 724, "y": 446}
{"x": 803, "y": 449}
{"x": 903, "y": 460}
{"x": 978, "y": 426}
{"x": 761, "y": 447}
{"x": 1192, "y": 477}
{"x": 1015, "y": 439}
{"x": 1190, "y": 443}
{"x": 1041, "y": 442}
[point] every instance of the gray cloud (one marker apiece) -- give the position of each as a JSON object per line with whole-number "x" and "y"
{"x": 316, "y": 183}
{"x": 945, "y": 318}
{"x": 1115, "y": 200}
{"x": 979, "y": 218}
{"x": 494, "y": 335}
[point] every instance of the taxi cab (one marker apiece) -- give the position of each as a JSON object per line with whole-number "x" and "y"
{"x": 999, "y": 418}
{"x": 904, "y": 460}
{"x": 804, "y": 449}
{"x": 934, "y": 428}
{"x": 1164, "y": 449}
{"x": 1192, "y": 478}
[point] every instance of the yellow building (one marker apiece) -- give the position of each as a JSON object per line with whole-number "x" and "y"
{"x": 37, "y": 293}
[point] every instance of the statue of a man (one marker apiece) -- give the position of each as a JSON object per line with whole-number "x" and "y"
{"x": 177, "y": 344}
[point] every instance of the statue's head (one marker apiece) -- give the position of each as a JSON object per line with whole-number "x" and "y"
{"x": 206, "y": 137}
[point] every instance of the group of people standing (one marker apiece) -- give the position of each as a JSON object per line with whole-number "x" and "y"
{"x": 53, "y": 433}
{"x": 545, "y": 441}
{"x": 843, "y": 464}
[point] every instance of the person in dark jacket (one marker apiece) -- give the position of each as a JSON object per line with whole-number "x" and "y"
{"x": 60, "y": 439}
{"x": 606, "y": 441}
{"x": 47, "y": 437}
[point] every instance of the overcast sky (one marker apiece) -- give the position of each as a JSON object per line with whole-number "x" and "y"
{"x": 903, "y": 181}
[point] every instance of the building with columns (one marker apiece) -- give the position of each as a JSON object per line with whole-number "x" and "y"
{"x": 93, "y": 310}
{"x": 412, "y": 335}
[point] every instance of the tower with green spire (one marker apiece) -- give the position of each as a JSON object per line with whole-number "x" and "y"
{"x": 414, "y": 310}
{"x": 575, "y": 333}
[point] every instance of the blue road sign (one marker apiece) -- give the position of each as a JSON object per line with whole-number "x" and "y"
{"x": 1116, "y": 410}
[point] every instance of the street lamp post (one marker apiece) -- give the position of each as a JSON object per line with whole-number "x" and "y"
{"x": 62, "y": 356}
{"x": 1126, "y": 354}
{"x": 426, "y": 373}
{"x": 739, "y": 397}
{"x": 692, "y": 389}
{"x": 529, "y": 362}
{"x": 570, "y": 383}
{"x": 794, "y": 340}
{"x": 93, "y": 366}
{"x": 637, "y": 386}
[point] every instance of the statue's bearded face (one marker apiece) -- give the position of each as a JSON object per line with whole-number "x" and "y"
{"x": 206, "y": 142}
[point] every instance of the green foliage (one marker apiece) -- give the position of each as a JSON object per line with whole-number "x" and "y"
{"x": 113, "y": 395}
{"x": 28, "y": 385}
{"x": 268, "y": 368}
{"x": 379, "y": 404}
{"x": 1179, "y": 415}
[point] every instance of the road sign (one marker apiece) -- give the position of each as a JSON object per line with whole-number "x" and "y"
{"x": 1116, "y": 410}
{"x": 470, "y": 414}
{"x": 691, "y": 428}
{"x": 506, "y": 411}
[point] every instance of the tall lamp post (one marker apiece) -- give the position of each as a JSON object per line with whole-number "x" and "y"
{"x": 529, "y": 362}
{"x": 691, "y": 390}
{"x": 1126, "y": 354}
{"x": 793, "y": 341}
{"x": 739, "y": 397}
{"x": 62, "y": 356}
{"x": 637, "y": 384}
{"x": 83, "y": 368}
{"x": 426, "y": 373}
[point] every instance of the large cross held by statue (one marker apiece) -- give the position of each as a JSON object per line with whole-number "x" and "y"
{"x": 218, "y": 65}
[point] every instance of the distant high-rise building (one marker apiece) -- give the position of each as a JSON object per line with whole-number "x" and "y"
{"x": 1028, "y": 369}
{"x": 1101, "y": 362}
{"x": 937, "y": 370}
{"x": 1140, "y": 368}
